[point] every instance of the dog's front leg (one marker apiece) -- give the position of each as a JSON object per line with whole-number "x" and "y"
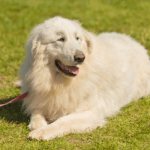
{"x": 37, "y": 120}
{"x": 73, "y": 123}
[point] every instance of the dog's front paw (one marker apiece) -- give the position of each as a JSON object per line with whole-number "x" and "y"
{"x": 36, "y": 134}
{"x": 40, "y": 134}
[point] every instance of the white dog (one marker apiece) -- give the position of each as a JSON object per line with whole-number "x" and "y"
{"x": 76, "y": 79}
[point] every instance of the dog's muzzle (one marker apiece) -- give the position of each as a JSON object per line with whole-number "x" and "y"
{"x": 78, "y": 58}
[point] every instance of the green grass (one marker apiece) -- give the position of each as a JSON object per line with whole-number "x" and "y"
{"x": 130, "y": 129}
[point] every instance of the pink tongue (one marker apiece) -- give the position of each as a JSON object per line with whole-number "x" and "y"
{"x": 73, "y": 69}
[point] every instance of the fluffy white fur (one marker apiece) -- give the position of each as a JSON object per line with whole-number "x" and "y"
{"x": 116, "y": 71}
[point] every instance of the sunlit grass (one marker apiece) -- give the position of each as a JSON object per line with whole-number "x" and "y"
{"x": 130, "y": 129}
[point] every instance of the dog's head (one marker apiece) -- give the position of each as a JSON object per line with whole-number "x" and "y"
{"x": 64, "y": 43}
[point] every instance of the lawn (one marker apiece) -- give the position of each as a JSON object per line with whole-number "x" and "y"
{"x": 130, "y": 129}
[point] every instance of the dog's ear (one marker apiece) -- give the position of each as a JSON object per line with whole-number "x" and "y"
{"x": 37, "y": 48}
{"x": 89, "y": 40}
{"x": 34, "y": 45}
{"x": 38, "y": 76}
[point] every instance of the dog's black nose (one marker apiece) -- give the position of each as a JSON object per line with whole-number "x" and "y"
{"x": 79, "y": 57}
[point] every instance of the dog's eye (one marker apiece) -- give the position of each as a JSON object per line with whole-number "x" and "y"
{"x": 77, "y": 38}
{"x": 62, "y": 39}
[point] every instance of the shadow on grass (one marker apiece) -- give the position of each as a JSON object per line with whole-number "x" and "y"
{"x": 12, "y": 112}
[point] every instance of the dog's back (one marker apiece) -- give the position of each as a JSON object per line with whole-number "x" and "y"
{"x": 124, "y": 49}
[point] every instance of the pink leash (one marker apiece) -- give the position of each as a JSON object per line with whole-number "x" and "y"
{"x": 16, "y": 99}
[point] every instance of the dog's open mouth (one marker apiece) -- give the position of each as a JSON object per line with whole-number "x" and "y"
{"x": 68, "y": 70}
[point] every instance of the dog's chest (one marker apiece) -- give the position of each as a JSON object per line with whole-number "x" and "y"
{"x": 61, "y": 103}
